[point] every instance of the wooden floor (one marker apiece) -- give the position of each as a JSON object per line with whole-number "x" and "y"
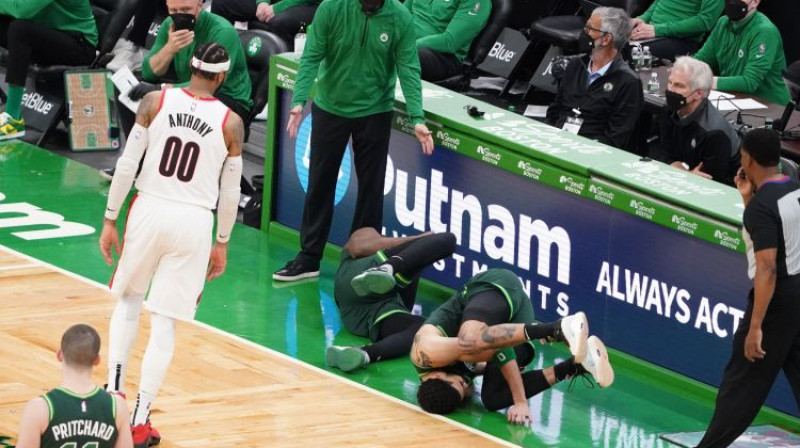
{"x": 220, "y": 391}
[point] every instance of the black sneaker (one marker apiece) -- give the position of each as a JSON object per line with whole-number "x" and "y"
{"x": 294, "y": 270}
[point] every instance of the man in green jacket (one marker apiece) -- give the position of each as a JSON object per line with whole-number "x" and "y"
{"x": 745, "y": 51}
{"x": 282, "y": 17}
{"x": 357, "y": 49}
{"x": 187, "y": 27}
{"x": 47, "y": 32}
{"x": 676, "y": 27}
{"x": 445, "y": 30}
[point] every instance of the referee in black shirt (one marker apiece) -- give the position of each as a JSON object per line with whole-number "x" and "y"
{"x": 768, "y": 338}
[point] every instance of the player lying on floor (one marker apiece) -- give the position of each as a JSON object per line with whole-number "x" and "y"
{"x": 491, "y": 320}
{"x": 375, "y": 290}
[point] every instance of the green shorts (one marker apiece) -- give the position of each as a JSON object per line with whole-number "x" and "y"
{"x": 361, "y": 315}
{"x": 448, "y": 316}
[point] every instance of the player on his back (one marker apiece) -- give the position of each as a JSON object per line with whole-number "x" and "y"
{"x": 77, "y": 412}
{"x": 191, "y": 144}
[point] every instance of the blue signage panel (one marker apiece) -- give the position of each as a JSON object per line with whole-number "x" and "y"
{"x": 649, "y": 291}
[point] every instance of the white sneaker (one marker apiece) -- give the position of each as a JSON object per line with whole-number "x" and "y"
{"x": 597, "y": 362}
{"x": 129, "y": 55}
{"x": 122, "y": 43}
{"x": 262, "y": 116}
{"x": 575, "y": 329}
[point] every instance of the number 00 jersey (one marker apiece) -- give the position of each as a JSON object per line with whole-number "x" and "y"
{"x": 186, "y": 149}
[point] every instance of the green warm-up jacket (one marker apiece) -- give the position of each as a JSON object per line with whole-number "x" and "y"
{"x": 689, "y": 19}
{"x": 747, "y": 56}
{"x": 62, "y": 15}
{"x": 357, "y": 60}
{"x": 283, "y": 5}
{"x": 448, "y": 26}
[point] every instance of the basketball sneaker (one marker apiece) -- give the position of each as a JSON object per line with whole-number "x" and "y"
{"x": 377, "y": 280}
{"x": 597, "y": 362}
{"x": 346, "y": 359}
{"x": 10, "y": 127}
{"x": 294, "y": 270}
{"x": 145, "y": 435}
{"x": 575, "y": 331}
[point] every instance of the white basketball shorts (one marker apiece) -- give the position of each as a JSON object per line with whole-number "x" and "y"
{"x": 166, "y": 248}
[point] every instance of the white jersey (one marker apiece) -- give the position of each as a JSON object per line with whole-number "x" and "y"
{"x": 186, "y": 149}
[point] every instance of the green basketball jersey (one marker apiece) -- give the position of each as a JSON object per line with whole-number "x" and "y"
{"x": 448, "y": 316}
{"x": 80, "y": 421}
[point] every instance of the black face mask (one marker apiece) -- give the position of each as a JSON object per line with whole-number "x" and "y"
{"x": 675, "y": 101}
{"x": 585, "y": 43}
{"x": 371, "y": 7}
{"x": 183, "y": 21}
{"x": 735, "y": 9}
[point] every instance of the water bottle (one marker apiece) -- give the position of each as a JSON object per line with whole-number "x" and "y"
{"x": 636, "y": 57}
{"x": 300, "y": 39}
{"x": 647, "y": 59}
{"x": 653, "y": 84}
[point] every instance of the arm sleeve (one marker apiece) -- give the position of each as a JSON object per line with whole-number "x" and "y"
{"x": 409, "y": 4}
{"x": 161, "y": 40}
{"x": 125, "y": 171}
{"x": 313, "y": 53}
{"x": 408, "y": 72}
{"x": 229, "y": 193}
{"x": 23, "y": 9}
{"x": 649, "y": 13}
{"x": 461, "y": 30}
{"x": 759, "y": 63}
{"x": 708, "y": 53}
{"x": 622, "y": 121}
{"x": 700, "y": 23}
{"x": 762, "y": 226}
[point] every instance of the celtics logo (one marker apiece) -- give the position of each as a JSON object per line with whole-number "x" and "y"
{"x": 254, "y": 46}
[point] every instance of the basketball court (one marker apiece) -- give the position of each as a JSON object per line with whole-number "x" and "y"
{"x": 250, "y": 372}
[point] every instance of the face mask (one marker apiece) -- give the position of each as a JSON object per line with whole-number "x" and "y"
{"x": 183, "y": 21}
{"x": 371, "y": 7}
{"x": 735, "y": 9}
{"x": 675, "y": 101}
{"x": 585, "y": 43}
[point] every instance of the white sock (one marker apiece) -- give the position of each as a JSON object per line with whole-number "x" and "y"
{"x": 121, "y": 334}
{"x": 142, "y": 410}
{"x": 155, "y": 364}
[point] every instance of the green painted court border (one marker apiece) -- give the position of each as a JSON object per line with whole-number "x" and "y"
{"x": 667, "y": 379}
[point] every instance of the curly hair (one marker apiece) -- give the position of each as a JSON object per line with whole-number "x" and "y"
{"x": 438, "y": 397}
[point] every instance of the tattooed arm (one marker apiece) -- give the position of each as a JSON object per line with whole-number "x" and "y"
{"x": 431, "y": 349}
{"x": 475, "y": 336}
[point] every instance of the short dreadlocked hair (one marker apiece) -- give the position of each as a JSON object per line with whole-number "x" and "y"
{"x": 437, "y": 396}
{"x": 212, "y": 53}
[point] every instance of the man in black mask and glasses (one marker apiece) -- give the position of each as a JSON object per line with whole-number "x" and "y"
{"x": 745, "y": 51}
{"x": 600, "y": 97}
{"x": 694, "y": 135}
{"x": 187, "y": 27}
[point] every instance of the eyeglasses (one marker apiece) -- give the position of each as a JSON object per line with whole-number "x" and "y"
{"x": 588, "y": 28}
